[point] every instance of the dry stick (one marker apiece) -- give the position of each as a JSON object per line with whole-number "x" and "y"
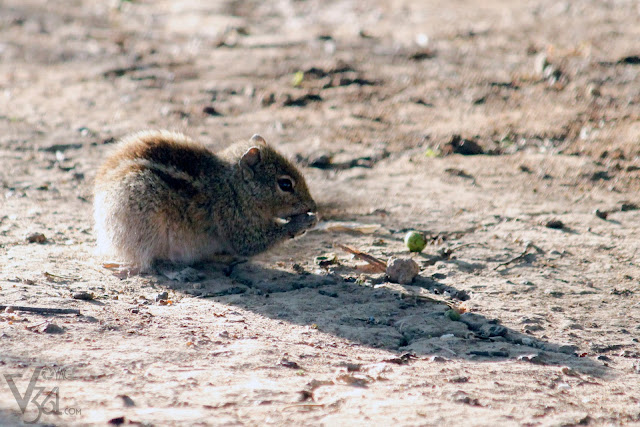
{"x": 524, "y": 253}
{"x": 55, "y": 276}
{"x": 42, "y": 310}
{"x": 378, "y": 264}
{"x": 462, "y": 245}
{"x": 449, "y": 304}
{"x": 306, "y": 405}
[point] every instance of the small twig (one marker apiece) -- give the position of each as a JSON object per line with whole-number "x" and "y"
{"x": 462, "y": 245}
{"x": 445, "y": 253}
{"x": 522, "y": 254}
{"x": 55, "y": 276}
{"x": 42, "y": 310}
{"x": 449, "y": 304}
{"x": 378, "y": 264}
{"x": 306, "y": 405}
{"x": 445, "y": 349}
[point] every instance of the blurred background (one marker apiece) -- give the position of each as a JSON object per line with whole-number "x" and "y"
{"x": 540, "y": 75}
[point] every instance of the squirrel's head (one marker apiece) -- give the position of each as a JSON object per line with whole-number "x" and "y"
{"x": 277, "y": 186}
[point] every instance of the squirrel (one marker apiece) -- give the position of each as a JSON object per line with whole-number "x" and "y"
{"x": 162, "y": 196}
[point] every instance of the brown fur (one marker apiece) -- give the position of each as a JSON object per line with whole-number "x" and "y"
{"x": 161, "y": 195}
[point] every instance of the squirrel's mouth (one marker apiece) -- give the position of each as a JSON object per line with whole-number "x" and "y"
{"x": 309, "y": 216}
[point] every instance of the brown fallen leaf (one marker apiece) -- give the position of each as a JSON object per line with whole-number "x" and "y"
{"x": 110, "y": 265}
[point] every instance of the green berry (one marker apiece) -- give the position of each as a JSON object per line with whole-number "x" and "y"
{"x": 415, "y": 241}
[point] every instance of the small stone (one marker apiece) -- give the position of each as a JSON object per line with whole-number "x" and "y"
{"x": 126, "y": 400}
{"x": 459, "y": 145}
{"x": 569, "y": 372}
{"x": 52, "y": 328}
{"x": 117, "y": 421}
{"x": 83, "y": 295}
{"x": 162, "y": 296}
{"x": 555, "y": 224}
{"x": 541, "y": 62}
{"x": 326, "y": 260}
{"x": 627, "y": 206}
{"x": 320, "y": 161}
{"x": 600, "y": 176}
{"x": 402, "y": 270}
{"x": 536, "y": 359}
{"x": 36, "y": 238}
{"x": 438, "y": 359}
{"x": 601, "y": 214}
{"x": 209, "y": 110}
{"x": 550, "y": 71}
{"x": 554, "y": 293}
{"x": 462, "y": 397}
{"x": 9, "y": 309}
{"x": 488, "y": 330}
{"x": 289, "y": 364}
{"x": 593, "y": 91}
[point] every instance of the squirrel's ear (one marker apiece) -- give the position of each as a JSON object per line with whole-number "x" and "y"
{"x": 250, "y": 158}
{"x": 257, "y": 139}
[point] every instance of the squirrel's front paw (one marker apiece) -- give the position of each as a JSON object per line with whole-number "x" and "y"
{"x": 298, "y": 224}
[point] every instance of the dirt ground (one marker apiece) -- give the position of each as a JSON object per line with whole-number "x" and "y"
{"x": 376, "y": 100}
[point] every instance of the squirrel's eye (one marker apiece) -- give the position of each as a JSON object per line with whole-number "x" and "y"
{"x": 285, "y": 184}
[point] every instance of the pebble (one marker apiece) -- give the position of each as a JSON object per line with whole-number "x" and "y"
{"x": 482, "y": 326}
{"x": 488, "y": 330}
{"x": 36, "y": 238}
{"x": 593, "y": 91}
{"x": 402, "y": 270}
{"x": 601, "y": 214}
{"x": 162, "y": 296}
{"x": 326, "y": 260}
{"x": 569, "y": 372}
{"x": 541, "y": 62}
{"x": 466, "y": 147}
{"x": 555, "y": 224}
{"x": 52, "y": 328}
{"x": 527, "y": 341}
{"x": 127, "y": 402}
{"x": 536, "y": 359}
{"x": 83, "y": 295}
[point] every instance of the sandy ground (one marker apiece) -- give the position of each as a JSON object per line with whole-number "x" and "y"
{"x": 550, "y": 91}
